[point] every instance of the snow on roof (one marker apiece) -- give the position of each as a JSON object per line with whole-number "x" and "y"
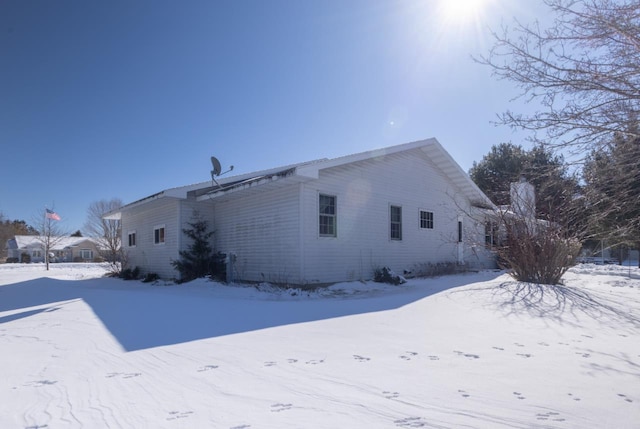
{"x": 309, "y": 169}
{"x": 59, "y": 243}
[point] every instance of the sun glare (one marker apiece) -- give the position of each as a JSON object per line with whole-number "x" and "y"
{"x": 461, "y": 12}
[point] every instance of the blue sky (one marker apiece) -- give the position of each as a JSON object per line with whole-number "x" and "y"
{"x": 126, "y": 98}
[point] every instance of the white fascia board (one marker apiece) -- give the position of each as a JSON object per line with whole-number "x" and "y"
{"x": 312, "y": 170}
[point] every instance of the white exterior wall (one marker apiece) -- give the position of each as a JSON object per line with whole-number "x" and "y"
{"x": 263, "y": 231}
{"x": 365, "y": 191}
{"x": 150, "y": 257}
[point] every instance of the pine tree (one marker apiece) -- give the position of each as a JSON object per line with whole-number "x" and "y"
{"x": 197, "y": 260}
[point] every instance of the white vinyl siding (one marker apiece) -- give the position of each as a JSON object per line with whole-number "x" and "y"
{"x": 143, "y": 219}
{"x": 365, "y": 191}
{"x": 263, "y": 232}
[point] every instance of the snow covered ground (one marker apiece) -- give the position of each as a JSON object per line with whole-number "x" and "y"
{"x": 467, "y": 351}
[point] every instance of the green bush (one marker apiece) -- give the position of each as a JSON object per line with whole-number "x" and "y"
{"x": 385, "y": 275}
{"x": 130, "y": 274}
{"x": 150, "y": 278}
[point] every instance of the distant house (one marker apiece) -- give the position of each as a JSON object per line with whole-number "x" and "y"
{"x": 323, "y": 221}
{"x": 30, "y": 248}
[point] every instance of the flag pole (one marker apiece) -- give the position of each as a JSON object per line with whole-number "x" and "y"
{"x": 44, "y": 231}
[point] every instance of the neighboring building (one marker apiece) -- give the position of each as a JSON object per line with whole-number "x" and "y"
{"x": 64, "y": 249}
{"x": 323, "y": 221}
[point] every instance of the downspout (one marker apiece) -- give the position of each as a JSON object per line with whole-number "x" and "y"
{"x": 301, "y": 230}
{"x": 179, "y": 230}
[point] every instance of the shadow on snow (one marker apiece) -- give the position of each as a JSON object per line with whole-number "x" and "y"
{"x": 142, "y": 316}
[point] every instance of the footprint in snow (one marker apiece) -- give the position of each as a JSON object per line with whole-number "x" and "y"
{"x": 433, "y": 357}
{"x": 241, "y": 427}
{"x": 575, "y": 398}
{"x": 411, "y": 422}
{"x": 174, "y": 415}
{"x": 584, "y": 355}
{"x": 543, "y": 344}
{"x": 314, "y": 361}
{"x": 463, "y": 393}
{"x": 292, "y": 360}
{"x": 123, "y": 374}
{"x": 524, "y": 355}
{"x": 498, "y": 348}
{"x": 408, "y": 355}
{"x": 276, "y": 408}
{"x": 625, "y": 397}
{"x": 467, "y": 355}
{"x": 518, "y": 344}
{"x": 361, "y": 358}
{"x": 551, "y": 415}
{"x": 270, "y": 363}
{"x": 207, "y": 368}
{"x": 518, "y": 395}
{"x": 39, "y": 383}
{"x": 390, "y": 395}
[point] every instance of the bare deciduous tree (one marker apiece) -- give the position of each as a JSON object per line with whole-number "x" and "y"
{"x": 50, "y": 232}
{"x": 107, "y": 232}
{"x": 583, "y": 70}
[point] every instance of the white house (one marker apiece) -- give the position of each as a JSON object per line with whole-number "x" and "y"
{"x": 322, "y": 221}
{"x": 63, "y": 249}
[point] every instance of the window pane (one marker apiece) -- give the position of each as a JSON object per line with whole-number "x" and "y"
{"x": 327, "y": 215}
{"x": 396, "y": 222}
{"x": 426, "y": 219}
{"x": 327, "y": 205}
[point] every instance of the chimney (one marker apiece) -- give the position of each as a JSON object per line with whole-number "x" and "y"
{"x": 523, "y": 198}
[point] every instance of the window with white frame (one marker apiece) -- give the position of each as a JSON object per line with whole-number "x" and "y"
{"x": 158, "y": 234}
{"x": 132, "y": 238}
{"x": 490, "y": 233}
{"x": 395, "y": 216}
{"x": 86, "y": 254}
{"x": 426, "y": 219}
{"x": 327, "y": 219}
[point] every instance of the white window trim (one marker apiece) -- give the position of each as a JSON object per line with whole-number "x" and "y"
{"x": 401, "y": 222}
{"x": 90, "y": 253}
{"x": 156, "y": 228}
{"x": 335, "y": 215}
{"x": 433, "y": 220}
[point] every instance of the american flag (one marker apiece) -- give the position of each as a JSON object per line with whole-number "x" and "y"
{"x": 50, "y": 214}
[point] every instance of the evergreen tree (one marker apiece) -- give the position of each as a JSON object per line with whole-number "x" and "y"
{"x": 197, "y": 260}
{"x": 612, "y": 191}
{"x": 548, "y": 173}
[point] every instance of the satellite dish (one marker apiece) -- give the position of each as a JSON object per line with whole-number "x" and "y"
{"x": 216, "y": 166}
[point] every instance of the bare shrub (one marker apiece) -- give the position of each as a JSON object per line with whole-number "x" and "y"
{"x": 429, "y": 269}
{"x": 535, "y": 252}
